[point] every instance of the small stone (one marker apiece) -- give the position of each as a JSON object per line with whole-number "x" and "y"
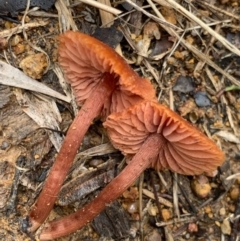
{"x": 15, "y": 40}
{"x": 234, "y": 193}
{"x": 4, "y": 145}
{"x": 222, "y": 211}
{"x": 3, "y": 43}
{"x": 96, "y": 162}
{"x": 179, "y": 55}
{"x": 208, "y": 209}
{"x": 201, "y": 99}
{"x": 19, "y": 49}
{"x": 201, "y": 187}
{"x": 226, "y": 227}
{"x": 133, "y": 207}
{"x": 166, "y": 214}
{"x": 210, "y": 215}
{"x": 184, "y": 84}
{"x": 36, "y": 156}
{"x": 152, "y": 210}
{"x": 131, "y": 194}
{"x": 192, "y": 228}
{"x": 218, "y": 223}
{"x": 187, "y": 107}
{"x": 34, "y": 65}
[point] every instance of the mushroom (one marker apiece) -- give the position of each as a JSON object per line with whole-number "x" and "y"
{"x": 157, "y": 137}
{"x": 102, "y": 83}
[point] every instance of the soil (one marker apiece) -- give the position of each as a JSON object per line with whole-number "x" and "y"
{"x": 194, "y": 72}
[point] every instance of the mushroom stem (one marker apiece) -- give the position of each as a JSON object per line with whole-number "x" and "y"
{"x": 68, "y": 151}
{"x": 143, "y": 159}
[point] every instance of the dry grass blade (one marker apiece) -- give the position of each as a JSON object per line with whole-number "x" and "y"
{"x": 190, "y": 47}
{"x": 44, "y": 112}
{"x": 106, "y": 17}
{"x": 160, "y": 199}
{"x": 65, "y": 17}
{"x": 100, "y": 150}
{"x": 218, "y": 86}
{"x": 206, "y": 59}
{"x": 234, "y": 176}
{"x": 101, "y": 6}
{"x": 176, "y": 220}
{"x": 158, "y": 20}
{"x": 219, "y": 10}
{"x": 193, "y": 18}
{"x": 193, "y": 49}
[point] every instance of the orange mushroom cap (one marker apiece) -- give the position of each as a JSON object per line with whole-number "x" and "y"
{"x": 85, "y": 60}
{"x": 186, "y": 149}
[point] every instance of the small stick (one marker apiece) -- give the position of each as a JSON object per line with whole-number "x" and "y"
{"x": 99, "y": 5}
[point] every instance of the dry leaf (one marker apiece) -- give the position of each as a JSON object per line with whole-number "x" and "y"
{"x": 44, "y": 112}
{"x": 227, "y": 136}
{"x": 14, "y": 77}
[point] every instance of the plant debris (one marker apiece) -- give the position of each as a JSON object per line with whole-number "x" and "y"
{"x": 189, "y": 50}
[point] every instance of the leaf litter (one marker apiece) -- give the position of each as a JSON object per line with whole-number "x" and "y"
{"x": 201, "y": 41}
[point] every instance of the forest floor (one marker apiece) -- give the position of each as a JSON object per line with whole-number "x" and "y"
{"x": 189, "y": 50}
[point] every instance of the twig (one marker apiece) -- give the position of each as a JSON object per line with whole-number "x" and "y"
{"x": 175, "y": 195}
{"x": 218, "y": 10}
{"x": 234, "y": 176}
{"x": 161, "y": 21}
{"x": 65, "y": 17}
{"x": 176, "y": 220}
{"x": 192, "y": 17}
{"x": 155, "y": 195}
{"x": 99, "y": 5}
{"x": 106, "y": 17}
{"x": 141, "y": 179}
{"x": 160, "y": 199}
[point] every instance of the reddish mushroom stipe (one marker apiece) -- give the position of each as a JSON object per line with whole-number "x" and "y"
{"x": 113, "y": 190}
{"x": 186, "y": 149}
{"x": 102, "y": 82}
{"x": 159, "y": 138}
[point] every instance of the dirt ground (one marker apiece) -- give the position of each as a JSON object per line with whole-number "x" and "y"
{"x": 189, "y": 50}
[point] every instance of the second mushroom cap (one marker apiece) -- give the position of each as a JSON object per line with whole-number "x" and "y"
{"x": 185, "y": 150}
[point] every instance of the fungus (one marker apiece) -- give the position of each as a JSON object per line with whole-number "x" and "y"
{"x": 102, "y": 83}
{"x": 157, "y": 137}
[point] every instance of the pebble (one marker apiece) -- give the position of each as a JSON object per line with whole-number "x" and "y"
{"x": 133, "y": 207}
{"x": 201, "y": 99}
{"x": 34, "y": 65}
{"x": 222, "y": 211}
{"x": 184, "y": 84}
{"x": 192, "y": 227}
{"x": 201, "y": 186}
{"x": 226, "y": 227}
{"x": 166, "y": 214}
{"x": 208, "y": 209}
{"x": 234, "y": 193}
{"x": 152, "y": 210}
{"x": 95, "y": 162}
{"x": 16, "y": 40}
{"x": 19, "y": 49}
